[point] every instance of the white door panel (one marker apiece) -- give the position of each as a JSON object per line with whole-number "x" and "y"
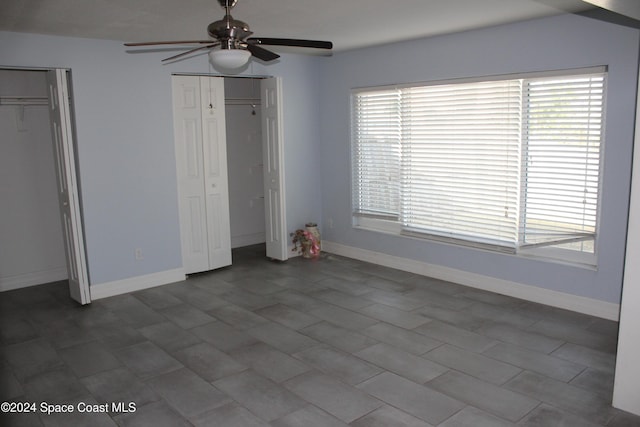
{"x": 190, "y": 169}
{"x": 215, "y": 163}
{"x": 272, "y": 152}
{"x": 65, "y": 164}
{"x": 273, "y": 200}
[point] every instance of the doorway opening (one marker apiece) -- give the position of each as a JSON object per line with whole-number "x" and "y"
{"x": 228, "y": 167}
{"x": 37, "y": 161}
{"x": 244, "y": 158}
{"x": 255, "y": 154}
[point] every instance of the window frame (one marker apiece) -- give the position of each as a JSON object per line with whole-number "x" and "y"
{"x": 552, "y": 252}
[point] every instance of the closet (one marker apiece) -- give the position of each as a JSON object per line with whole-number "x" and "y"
{"x": 211, "y": 220}
{"x": 30, "y": 228}
{"x": 41, "y": 224}
{"x": 244, "y": 159}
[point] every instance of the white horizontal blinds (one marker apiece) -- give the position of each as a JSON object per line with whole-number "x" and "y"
{"x": 461, "y": 160}
{"x": 562, "y": 136}
{"x": 508, "y": 163}
{"x": 376, "y": 153}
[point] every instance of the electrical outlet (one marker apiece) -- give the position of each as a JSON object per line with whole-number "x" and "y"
{"x": 139, "y": 255}
{"x": 330, "y": 222}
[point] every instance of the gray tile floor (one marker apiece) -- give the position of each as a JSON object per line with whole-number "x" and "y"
{"x": 327, "y": 342}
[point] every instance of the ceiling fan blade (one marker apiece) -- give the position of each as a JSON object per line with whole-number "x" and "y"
{"x": 169, "y": 42}
{"x": 180, "y": 55}
{"x": 629, "y": 8}
{"x": 262, "y": 53}
{"x": 621, "y": 12}
{"x": 317, "y": 44}
{"x": 612, "y": 17}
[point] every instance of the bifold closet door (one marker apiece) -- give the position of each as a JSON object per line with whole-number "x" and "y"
{"x": 68, "y": 189}
{"x": 273, "y": 160}
{"x": 201, "y": 164}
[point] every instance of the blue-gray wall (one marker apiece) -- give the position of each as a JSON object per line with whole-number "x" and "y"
{"x": 124, "y": 125}
{"x": 127, "y": 164}
{"x": 560, "y": 42}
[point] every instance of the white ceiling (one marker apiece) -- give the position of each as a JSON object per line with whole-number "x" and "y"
{"x": 347, "y": 23}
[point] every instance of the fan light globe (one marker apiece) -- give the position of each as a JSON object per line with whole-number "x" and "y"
{"x": 229, "y": 58}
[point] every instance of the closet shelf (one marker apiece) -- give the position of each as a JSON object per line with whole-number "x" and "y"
{"x": 23, "y": 100}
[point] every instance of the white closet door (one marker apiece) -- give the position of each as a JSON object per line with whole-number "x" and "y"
{"x": 214, "y": 141}
{"x": 200, "y": 145}
{"x": 64, "y": 156}
{"x": 190, "y": 168}
{"x": 272, "y": 153}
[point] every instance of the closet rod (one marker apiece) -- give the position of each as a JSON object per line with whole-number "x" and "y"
{"x": 242, "y": 101}
{"x": 22, "y": 100}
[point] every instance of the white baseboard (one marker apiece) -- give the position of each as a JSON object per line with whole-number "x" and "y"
{"x": 32, "y": 279}
{"x": 593, "y": 307}
{"x": 132, "y": 284}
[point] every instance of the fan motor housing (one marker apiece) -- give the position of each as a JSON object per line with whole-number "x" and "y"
{"x": 229, "y": 30}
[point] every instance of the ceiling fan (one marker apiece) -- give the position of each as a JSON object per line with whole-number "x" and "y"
{"x": 230, "y": 45}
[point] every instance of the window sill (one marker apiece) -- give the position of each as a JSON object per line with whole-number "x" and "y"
{"x": 547, "y": 254}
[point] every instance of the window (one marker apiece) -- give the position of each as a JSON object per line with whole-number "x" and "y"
{"x": 507, "y": 164}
